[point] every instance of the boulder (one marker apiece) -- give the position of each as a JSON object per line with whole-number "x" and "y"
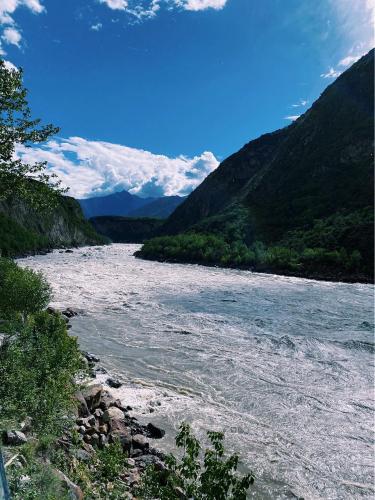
{"x": 114, "y": 382}
{"x": 154, "y": 432}
{"x": 82, "y": 455}
{"x": 14, "y": 438}
{"x": 123, "y": 436}
{"x": 69, "y": 312}
{"x": 83, "y": 410}
{"x": 92, "y": 395}
{"x": 91, "y": 358}
{"x": 107, "y": 400}
{"x": 139, "y": 441}
{"x": 112, "y": 413}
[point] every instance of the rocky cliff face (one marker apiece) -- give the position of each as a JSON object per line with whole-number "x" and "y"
{"x": 24, "y": 230}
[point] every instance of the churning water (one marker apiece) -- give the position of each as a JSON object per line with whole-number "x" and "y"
{"x": 284, "y": 365}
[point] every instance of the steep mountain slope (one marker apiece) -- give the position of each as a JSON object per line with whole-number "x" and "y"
{"x": 314, "y": 177}
{"x": 23, "y": 230}
{"x": 126, "y": 229}
{"x": 120, "y": 203}
{"x": 161, "y": 208}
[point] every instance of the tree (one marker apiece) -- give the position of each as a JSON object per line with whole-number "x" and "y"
{"x": 28, "y": 181}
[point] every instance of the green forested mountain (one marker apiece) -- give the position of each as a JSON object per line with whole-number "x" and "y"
{"x": 298, "y": 200}
{"x": 24, "y": 229}
{"x": 126, "y": 229}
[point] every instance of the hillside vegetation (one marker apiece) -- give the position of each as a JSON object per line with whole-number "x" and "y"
{"x": 303, "y": 194}
{"x": 126, "y": 229}
{"x": 24, "y": 229}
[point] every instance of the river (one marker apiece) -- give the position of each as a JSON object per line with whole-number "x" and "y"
{"x": 284, "y": 365}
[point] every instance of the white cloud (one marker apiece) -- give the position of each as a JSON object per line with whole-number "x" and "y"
{"x": 292, "y": 117}
{"x": 12, "y": 36}
{"x": 348, "y": 60}
{"x": 10, "y": 66}
{"x": 332, "y": 73}
{"x": 115, "y": 4}
{"x": 203, "y": 4}
{"x": 355, "y": 18}
{"x": 96, "y": 168}
{"x": 301, "y": 103}
{"x": 96, "y": 27}
{"x": 146, "y": 9}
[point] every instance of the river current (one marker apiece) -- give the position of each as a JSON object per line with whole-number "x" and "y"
{"x": 284, "y": 365}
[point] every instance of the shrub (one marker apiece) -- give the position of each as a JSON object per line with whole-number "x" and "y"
{"x": 214, "y": 479}
{"x": 37, "y": 366}
{"x": 22, "y": 291}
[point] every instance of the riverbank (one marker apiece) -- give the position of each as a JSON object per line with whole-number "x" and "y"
{"x": 328, "y": 275}
{"x": 102, "y": 451}
{"x": 236, "y": 351}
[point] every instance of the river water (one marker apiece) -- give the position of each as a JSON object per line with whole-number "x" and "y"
{"x": 284, "y": 365}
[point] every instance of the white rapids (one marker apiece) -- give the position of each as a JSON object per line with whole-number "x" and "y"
{"x": 283, "y": 365}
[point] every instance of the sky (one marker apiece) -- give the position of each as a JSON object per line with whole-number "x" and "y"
{"x": 150, "y": 95}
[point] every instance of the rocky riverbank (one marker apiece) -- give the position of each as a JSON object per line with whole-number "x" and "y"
{"x": 97, "y": 422}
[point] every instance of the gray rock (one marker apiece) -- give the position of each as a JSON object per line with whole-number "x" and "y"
{"x": 92, "y": 395}
{"x": 91, "y": 420}
{"x": 114, "y": 382}
{"x": 154, "y": 432}
{"x": 123, "y": 436}
{"x": 95, "y": 439}
{"x": 82, "y": 455}
{"x": 98, "y": 413}
{"x": 14, "y": 438}
{"x": 103, "y": 440}
{"x": 83, "y": 410}
{"x": 139, "y": 441}
{"x": 91, "y": 358}
{"x": 112, "y": 413}
{"x": 136, "y": 452}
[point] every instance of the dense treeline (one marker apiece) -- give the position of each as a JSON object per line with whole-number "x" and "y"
{"x": 317, "y": 252}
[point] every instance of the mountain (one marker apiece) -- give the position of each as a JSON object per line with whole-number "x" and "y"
{"x": 305, "y": 191}
{"x": 161, "y": 208}
{"x": 24, "y": 230}
{"x": 120, "y": 203}
{"x": 126, "y": 204}
{"x": 126, "y": 229}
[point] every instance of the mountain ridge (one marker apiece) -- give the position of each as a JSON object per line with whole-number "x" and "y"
{"x": 310, "y": 178}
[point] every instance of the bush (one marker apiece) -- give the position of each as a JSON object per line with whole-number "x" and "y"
{"x": 37, "y": 366}
{"x": 22, "y": 291}
{"x": 214, "y": 479}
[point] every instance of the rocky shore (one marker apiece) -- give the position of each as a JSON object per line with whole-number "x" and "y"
{"x": 98, "y": 420}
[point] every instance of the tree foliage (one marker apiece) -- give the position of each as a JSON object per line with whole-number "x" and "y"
{"x": 18, "y": 127}
{"x": 213, "y": 478}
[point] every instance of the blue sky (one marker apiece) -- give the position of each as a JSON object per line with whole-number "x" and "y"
{"x": 151, "y": 94}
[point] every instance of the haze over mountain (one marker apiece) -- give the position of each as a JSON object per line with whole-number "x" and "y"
{"x": 309, "y": 185}
{"x": 123, "y": 203}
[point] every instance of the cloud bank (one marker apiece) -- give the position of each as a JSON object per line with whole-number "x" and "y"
{"x": 97, "y": 168}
